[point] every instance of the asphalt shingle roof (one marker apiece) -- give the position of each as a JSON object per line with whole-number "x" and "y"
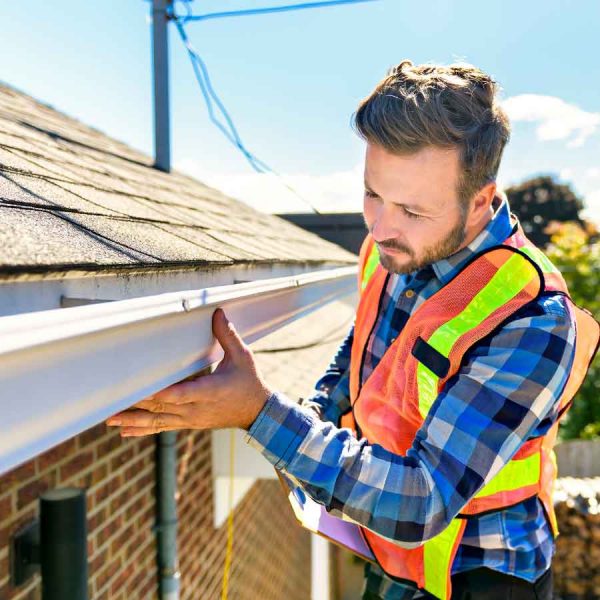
{"x": 72, "y": 197}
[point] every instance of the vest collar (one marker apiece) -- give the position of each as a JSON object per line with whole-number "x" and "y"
{"x": 499, "y": 228}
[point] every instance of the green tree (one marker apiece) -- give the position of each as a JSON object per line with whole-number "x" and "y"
{"x": 539, "y": 201}
{"x": 574, "y": 251}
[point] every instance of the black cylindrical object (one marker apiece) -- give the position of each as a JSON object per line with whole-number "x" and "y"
{"x": 63, "y": 544}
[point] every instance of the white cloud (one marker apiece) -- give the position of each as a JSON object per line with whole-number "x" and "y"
{"x": 592, "y": 206}
{"x": 557, "y": 119}
{"x": 333, "y": 192}
{"x": 592, "y": 172}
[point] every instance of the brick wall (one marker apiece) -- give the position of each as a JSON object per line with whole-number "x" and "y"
{"x": 119, "y": 476}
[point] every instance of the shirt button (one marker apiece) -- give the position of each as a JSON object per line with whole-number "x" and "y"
{"x": 409, "y": 293}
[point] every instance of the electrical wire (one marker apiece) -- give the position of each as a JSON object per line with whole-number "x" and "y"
{"x": 228, "y": 128}
{"x": 267, "y": 9}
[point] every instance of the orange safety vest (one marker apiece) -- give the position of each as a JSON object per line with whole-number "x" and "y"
{"x": 391, "y": 405}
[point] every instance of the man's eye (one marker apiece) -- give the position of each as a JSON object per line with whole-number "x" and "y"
{"x": 412, "y": 215}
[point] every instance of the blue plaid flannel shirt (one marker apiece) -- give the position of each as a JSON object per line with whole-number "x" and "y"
{"x": 505, "y": 393}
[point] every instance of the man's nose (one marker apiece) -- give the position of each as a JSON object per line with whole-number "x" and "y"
{"x": 383, "y": 226}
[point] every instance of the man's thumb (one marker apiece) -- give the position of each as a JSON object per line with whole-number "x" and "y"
{"x": 226, "y": 334}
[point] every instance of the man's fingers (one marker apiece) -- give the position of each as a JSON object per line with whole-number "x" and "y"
{"x": 146, "y": 419}
{"x": 178, "y": 393}
{"x": 142, "y": 431}
{"x": 159, "y": 404}
{"x": 227, "y": 336}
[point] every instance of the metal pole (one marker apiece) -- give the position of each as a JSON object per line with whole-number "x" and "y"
{"x": 160, "y": 54}
{"x": 166, "y": 442}
{"x": 166, "y": 481}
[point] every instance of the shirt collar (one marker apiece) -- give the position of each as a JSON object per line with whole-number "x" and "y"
{"x": 496, "y": 231}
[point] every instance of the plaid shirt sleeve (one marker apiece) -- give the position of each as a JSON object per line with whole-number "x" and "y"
{"x": 332, "y": 397}
{"x": 506, "y": 392}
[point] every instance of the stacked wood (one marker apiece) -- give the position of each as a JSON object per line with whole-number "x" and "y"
{"x": 576, "y": 564}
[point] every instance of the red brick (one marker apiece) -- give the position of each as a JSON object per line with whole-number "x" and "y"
{"x": 31, "y": 492}
{"x": 134, "y": 469}
{"x": 117, "y": 585}
{"x": 92, "y": 477}
{"x": 135, "y": 582}
{"x": 107, "y": 489}
{"x": 135, "y": 542}
{"x": 92, "y": 435}
{"x": 4, "y": 568}
{"x": 105, "y": 595}
{"x": 95, "y": 521}
{"x": 110, "y": 444}
{"x": 109, "y": 530}
{"x": 125, "y": 456}
{"x": 109, "y": 571}
{"x": 17, "y": 476}
{"x": 78, "y": 463}
{"x": 98, "y": 561}
{"x": 149, "y": 590}
{"x": 133, "y": 510}
{"x": 144, "y": 482}
{"x": 146, "y": 517}
{"x": 121, "y": 540}
{"x": 6, "y": 507}
{"x": 54, "y": 455}
{"x": 4, "y": 535}
{"x": 126, "y": 493}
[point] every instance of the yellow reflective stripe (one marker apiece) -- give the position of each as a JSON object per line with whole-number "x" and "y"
{"x": 514, "y": 475}
{"x": 437, "y": 554}
{"x": 540, "y": 259}
{"x": 370, "y": 266}
{"x": 505, "y": 284}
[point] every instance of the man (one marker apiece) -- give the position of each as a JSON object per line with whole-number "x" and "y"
{"x": 432, "y": 428}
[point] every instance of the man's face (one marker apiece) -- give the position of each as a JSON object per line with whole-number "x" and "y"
{"x": 411, "y": 206}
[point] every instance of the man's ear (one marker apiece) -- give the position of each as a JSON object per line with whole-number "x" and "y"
{"x": 481, "y": 204}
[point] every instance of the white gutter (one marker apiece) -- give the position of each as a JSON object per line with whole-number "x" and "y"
{"x": 63, "y": 371}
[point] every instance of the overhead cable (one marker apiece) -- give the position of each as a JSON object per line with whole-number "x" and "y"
{"x": 226, "y": 124}
{"x": 267, "y": 9}
{"x": 228, "y": 128}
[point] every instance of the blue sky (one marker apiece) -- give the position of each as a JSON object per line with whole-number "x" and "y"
{"x": 291, "y": 82}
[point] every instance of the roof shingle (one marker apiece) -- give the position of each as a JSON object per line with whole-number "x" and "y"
{"x": 71, "y": 196}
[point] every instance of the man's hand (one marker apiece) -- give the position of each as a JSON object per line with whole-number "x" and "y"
{"x": 232, "y": 396}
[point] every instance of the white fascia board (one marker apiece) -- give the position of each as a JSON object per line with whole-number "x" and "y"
{"x": 30, "y": 292}
{"x": 63, "y": 371}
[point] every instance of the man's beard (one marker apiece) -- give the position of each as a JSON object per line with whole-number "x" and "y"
{"x": 449, "y": 245}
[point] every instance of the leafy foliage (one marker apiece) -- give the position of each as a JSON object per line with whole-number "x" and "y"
{"x": 574, "y": 251}
{"x": 539, "y": 201}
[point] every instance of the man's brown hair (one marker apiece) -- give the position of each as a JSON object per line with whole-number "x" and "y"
{"x": 416, "y": 106}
